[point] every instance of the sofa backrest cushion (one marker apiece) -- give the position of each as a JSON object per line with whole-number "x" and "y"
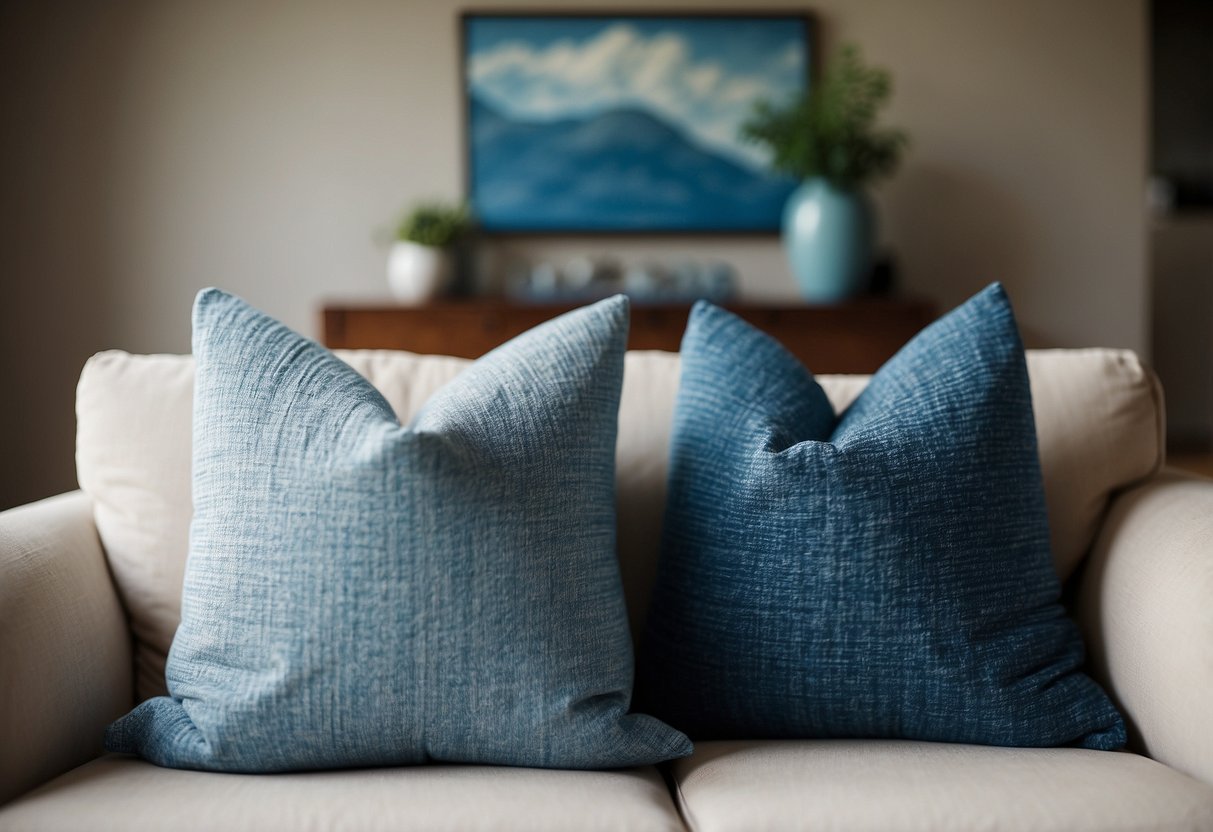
{"x": 1098, "y": 417}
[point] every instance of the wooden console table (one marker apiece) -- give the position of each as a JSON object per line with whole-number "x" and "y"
{"x": 853, "y": 337}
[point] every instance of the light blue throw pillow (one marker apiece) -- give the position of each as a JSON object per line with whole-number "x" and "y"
{"x": 886, "y": 573}
{"x": 360, "y": 593}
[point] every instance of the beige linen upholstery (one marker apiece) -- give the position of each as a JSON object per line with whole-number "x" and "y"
{"x": 65, "y": 657}
{"x": 1099, "y": 424}
{"x": 896, "y": 786}
{"x": 1098, "y": 417}
{"x": 1146, "y": 606}
{"x": 646, "y": 409}
{"x": 133, "y": 441}
{"x": 128, "y": 795}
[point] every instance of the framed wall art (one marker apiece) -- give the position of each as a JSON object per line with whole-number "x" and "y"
{"x": 613, "y": 123}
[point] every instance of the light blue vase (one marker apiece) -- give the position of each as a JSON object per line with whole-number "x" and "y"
{"x": 829, "y": 234}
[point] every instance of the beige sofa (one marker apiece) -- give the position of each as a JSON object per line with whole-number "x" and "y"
{"x": 90, "y": 594}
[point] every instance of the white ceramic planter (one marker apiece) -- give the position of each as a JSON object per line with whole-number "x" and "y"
{"x": 416, "y": 273}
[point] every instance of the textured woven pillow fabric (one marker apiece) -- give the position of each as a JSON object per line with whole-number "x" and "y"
{"x": 883, "y": 574}
{"x": 361, "y": 593}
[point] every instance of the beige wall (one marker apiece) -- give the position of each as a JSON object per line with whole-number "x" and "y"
{"x": 159, "y": 147}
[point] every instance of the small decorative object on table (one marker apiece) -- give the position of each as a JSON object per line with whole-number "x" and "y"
{"x": 419, "y": 265}
{"x": 584, "y": 278}
{"x": 828, "y": 139}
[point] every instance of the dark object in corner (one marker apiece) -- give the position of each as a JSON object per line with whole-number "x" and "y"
{"x": 1181, "y": 86}
{"x": 884, "y": 275}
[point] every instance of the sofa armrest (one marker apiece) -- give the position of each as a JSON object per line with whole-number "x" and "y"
{"x": 65, "y": 651}
{"x": 1145, "y": 604}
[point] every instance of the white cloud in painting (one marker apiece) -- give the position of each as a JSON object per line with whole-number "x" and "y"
{"x": 621, "y": 67}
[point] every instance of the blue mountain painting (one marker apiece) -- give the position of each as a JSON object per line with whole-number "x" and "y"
{"x": 621, "y": 169}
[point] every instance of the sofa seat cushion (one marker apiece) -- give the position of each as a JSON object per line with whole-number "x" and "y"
{"x": 893, "y": 785}
{"x": 123, "y": 793}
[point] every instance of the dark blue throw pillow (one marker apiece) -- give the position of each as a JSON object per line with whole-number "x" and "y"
{"x": 883, "y": 573}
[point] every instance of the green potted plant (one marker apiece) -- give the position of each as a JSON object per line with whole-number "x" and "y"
{"x": 419, "y": 263}
{"x": 828, "y": 138}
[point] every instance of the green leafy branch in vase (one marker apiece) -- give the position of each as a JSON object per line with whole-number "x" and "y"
{"x": 830, "y": 131}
